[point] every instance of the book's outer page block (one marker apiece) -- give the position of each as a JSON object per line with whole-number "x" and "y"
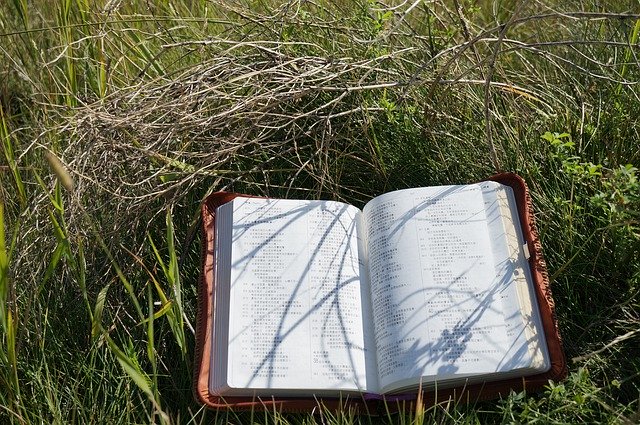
{"x": 519, "y": 302}
{"x": 541, "y": 282}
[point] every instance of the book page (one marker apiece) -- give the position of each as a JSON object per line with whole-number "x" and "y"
{"x": 519, "y": 303}
{"x": 295, "y": 307}
{"x": 438, "y": 313}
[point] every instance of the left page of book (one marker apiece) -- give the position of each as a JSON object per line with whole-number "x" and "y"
{"x": 297, "y": 318}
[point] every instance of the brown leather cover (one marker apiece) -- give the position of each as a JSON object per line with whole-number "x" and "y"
{"x": 369, "y": 403}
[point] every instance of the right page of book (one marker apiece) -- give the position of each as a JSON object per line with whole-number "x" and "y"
{"x": 447, "y": 308}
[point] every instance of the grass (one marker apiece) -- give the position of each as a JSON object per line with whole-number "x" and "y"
{"x": 117, "y": 118}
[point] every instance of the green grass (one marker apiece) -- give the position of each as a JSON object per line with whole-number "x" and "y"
{"x": 117, "y": 118}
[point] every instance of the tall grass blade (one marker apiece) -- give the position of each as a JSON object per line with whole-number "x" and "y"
{"x": 141, "y": 52}
{"x": 176, "y": 286}
{"x": 81, "y": 273}
{"x": 4, "y": 270}
{"x": 96, "y": 321}
{"x": 123, "y": 279}
{"x": 165, "y": 309}
{"x": 130, "y": 367}
{"x": 628, "y": 55}
{"x": 172, "y": 275}
{"x": 67, "y": 40}
{"x": 150, "y": 331}
{"x": 7, "y": 147}
{"x": 23, "y": 12}
{"x": 52, "y": 266}
{"x": 12, "y": 357}
{"x": 151, "y": 350}
{"x": 9, "y": 373}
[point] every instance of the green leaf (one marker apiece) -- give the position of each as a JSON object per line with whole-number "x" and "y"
{"x": 163, "y": 310}
{"x": 131, "y": 368}
{"x": 7, "y": 147}
{"x": 4, "y": 269}
{"x": 96, "y": 323}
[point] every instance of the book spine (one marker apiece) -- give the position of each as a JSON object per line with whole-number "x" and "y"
{"x": 203, "y": 301}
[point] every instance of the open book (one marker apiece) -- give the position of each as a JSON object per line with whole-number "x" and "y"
{"x": 424, "y": 288}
